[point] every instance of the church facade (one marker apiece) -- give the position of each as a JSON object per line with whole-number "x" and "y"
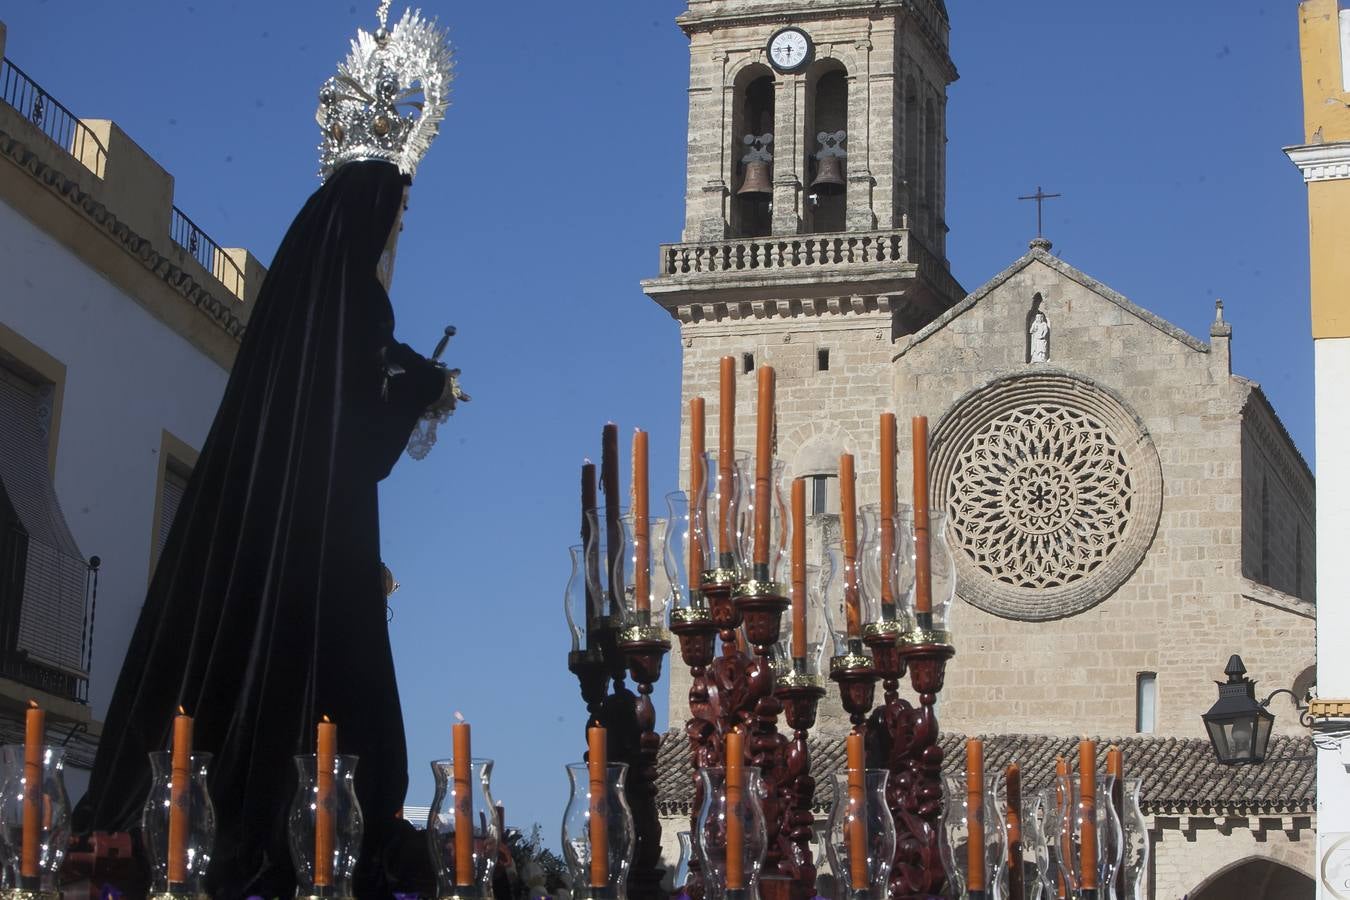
{"x": 1125, "y": 512}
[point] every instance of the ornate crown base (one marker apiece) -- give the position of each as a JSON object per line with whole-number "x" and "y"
{"x": 182, "y": 895}
{"x": 643, "y": 634}
{"x": 857, "y": 679}
{"x": 23, "y": 894}
{"x": 800, "y": 695}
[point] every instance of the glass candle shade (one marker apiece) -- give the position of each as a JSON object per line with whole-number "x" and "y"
{"x": 778, "y": 538}
{"x": 713, "y": 817}
{"x": 680, "y": 880}
{"x": 861, "y": 817}
{"x": 634, "y": 573}
{"x": 199, "y": 833}
{"x": 578, "y": 835}
{"x": 579, "y": 606}
{"x": 973, "y": 839}
{"x": 719, "y": 510}
{"x": 329, "y": 808}
{"x": 887, "y": 567}
{"x": 942, "y": 574}
{"x": 1134, "y": 844}
{"x": 1035, "y": 814}
{"x": 1076, "y": 818}
{"x": 52, "y": 835}
{"x": 443, "y": 830}
{"x": 837, "y": 572}
{"x": 819, "y": 640}
{"x": 677, "y": 544}
{"x": 602, "y": 549}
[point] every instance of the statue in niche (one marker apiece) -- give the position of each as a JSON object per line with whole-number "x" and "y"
{"x": 1039, "y": 332}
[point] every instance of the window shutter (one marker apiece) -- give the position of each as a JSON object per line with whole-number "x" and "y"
{"x": 51, "y": 621}
{"x": 174, "y": 487}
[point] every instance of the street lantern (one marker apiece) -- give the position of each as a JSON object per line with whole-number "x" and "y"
{"x": 1239, "y": 726}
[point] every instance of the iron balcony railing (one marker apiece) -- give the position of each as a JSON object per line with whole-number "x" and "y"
{"x": 213, "y": 258}
{"x": 74, "y": 137}
{"x": 51, "y": 118}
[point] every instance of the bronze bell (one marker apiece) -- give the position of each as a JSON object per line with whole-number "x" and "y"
{"x": 756, "y": 179}
{"x": 829, "y": 175}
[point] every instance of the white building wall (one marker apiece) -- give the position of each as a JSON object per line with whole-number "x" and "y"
{"x": 129, "y": 377}
{"x": 1332, "y": 356}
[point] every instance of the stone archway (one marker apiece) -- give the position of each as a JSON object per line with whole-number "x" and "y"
{"x": 1256, "y": 878}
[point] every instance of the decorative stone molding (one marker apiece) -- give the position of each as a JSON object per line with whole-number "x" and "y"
{"x": 1053, "y": 489}
{"x": 1321, "y": 162}
{"x": 69, "y": 190}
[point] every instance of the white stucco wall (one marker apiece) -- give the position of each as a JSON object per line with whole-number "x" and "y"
{"x": 128, "y": 378}
{"x": 1333, "y": 584}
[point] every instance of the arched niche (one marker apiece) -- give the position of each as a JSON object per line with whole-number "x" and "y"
{"x": 827, "y": 113}
{"x": 1256, "y": 878}
{"x": 753, "y": 90}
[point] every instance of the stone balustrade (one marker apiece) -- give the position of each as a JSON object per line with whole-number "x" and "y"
{"x": 794, "y": 252}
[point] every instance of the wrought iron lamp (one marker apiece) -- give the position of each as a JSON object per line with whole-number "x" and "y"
{"x": 1239, "y": 725}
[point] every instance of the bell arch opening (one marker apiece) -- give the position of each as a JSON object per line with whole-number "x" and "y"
{"x": 826, "y": 144}
{"x": 753, "y": 149}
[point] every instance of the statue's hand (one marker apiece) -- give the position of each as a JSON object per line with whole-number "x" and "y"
{"x": 451, "y": 396}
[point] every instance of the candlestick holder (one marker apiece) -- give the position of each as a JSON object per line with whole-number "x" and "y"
{"x": 199, "y": 833}
{"x": 974, "y": 842}
{"x": 800, "y": 693}
{"x": 443, "y": 826}
{"x": 861, "y": 835}
{"x": 578, "y": 835}
{"x": 726, "y": 874}
{"x": 47, "y": 801}
{"x": 315, "y": 807}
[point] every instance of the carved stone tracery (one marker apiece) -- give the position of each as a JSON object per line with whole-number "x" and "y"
{"x": 1053, "y": 490}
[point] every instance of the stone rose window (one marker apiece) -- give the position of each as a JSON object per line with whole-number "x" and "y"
{"x": 1052, "y": 490}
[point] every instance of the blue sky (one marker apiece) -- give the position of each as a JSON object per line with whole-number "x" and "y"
{"x": 560, "y": 170}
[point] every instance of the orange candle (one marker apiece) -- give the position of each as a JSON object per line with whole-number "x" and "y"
{"x": 597, "y": 764}
{"x": 1012, "y": 780}
{"x": 1087, "y": 793}
{"x": 324, "y": 826}
{"x": 848, "y": 512}
{"x": 179, "y": 776}
{"x": 726, "y": 452}
{"x": 799, "y": 568}
{"x": 923, "y": 576}
{"x": 975, "y": 879}
{"x": 887, "y": 510}
{"x": 34, "y": 729}
{"x": 857, "y": 820}
{"x": 763, "y": 466}
{"x": 1062, "y": 771}
{"x": 463, "y": 806}
{"x": 642, "y": 567}
{"x": 735, "y": 772}
{"x": 697, "y": 507}
{"x": 1115, "y": 765}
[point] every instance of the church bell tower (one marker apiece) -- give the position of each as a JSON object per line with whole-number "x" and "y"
{"x": 814, "y": 234}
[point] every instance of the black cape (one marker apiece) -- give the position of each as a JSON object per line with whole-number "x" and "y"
{"x": 267, "y": 609}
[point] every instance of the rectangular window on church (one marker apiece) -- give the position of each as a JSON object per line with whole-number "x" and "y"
{"x": 823, "y": 360}
{"x": 747, "y": 362}
{"x": 1146, "y": 703}
{"x": 820, "y": 494}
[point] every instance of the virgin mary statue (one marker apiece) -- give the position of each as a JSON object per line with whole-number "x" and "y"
{"x": 267, "y": 609}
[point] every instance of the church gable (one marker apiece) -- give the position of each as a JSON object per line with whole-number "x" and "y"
{"x": 1041, "y": 309}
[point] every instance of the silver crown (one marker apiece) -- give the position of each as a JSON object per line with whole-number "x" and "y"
{"x": 361, "y": 108}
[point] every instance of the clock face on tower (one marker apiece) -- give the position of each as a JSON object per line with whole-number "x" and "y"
{"x": 790, "y": 50}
